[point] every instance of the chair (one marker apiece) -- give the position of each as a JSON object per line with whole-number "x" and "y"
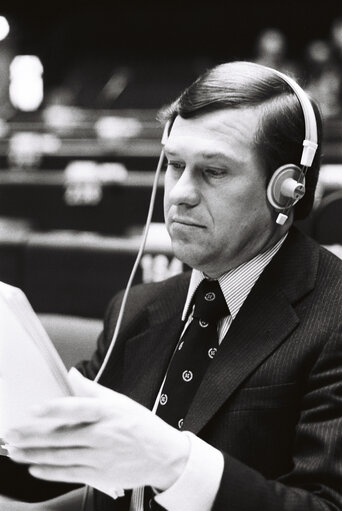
{"x": 327, "y": 224}
{"x": 73, "y": 337}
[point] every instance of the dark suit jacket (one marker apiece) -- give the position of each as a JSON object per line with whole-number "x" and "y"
{"x": 271, "y": 399}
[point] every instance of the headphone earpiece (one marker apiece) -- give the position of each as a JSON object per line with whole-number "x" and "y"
{"x": 285, "y": 189}
{"x": 287, "y": 185}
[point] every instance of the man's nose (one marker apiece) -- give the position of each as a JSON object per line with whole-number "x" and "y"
{"x": 185, "y": 190}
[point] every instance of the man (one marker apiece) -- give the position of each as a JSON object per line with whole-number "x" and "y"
{"x": 263, "y": 429}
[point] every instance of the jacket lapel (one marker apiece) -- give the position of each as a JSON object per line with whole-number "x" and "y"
{"x": 147, "y": 355}
{"x": 265, "y": 320}
{"x": 146, "y": 360}
{"x": 251, "y": 338}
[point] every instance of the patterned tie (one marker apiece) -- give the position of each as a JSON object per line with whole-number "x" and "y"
{"x": 196, "y": 348}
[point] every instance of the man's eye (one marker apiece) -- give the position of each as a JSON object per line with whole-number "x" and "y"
{"x": 214, "y": 172}
{"x": 177, "y": 165}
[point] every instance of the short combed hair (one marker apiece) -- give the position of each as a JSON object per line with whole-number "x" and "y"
{"x": 281, "y": 131}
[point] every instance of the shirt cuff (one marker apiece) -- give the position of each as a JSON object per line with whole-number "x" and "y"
{"x": 196, "y": 488}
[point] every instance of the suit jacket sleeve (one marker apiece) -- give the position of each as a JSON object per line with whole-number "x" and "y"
{"x": 315, "y": 481}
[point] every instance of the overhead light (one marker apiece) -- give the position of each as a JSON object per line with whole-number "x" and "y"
{"x": 4, "y": 28}
{"x": 26, "y": 82}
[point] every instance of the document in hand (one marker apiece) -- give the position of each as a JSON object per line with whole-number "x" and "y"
{"x": 31, "y": 371}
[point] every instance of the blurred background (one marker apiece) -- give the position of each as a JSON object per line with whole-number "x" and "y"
{"x": 80, "y": 86}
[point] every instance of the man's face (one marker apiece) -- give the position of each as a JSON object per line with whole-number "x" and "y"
{"x": 215, "y": 204}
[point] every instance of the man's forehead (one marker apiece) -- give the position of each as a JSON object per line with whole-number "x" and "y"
{"x": 218, "y": 129}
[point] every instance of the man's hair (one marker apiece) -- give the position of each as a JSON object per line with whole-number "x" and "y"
{"x": 281, "y": 131}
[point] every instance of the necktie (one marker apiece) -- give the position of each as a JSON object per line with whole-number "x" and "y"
{"x": 196, "y": 348}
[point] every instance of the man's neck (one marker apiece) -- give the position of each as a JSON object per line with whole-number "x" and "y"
{"x": 274, "y": 238}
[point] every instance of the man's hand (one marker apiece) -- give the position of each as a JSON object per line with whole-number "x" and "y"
{"x": 102, "y": 438}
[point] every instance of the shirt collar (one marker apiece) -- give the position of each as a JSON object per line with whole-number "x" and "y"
{"x": 236, "y": 283}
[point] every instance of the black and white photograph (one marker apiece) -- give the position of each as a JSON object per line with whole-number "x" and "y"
{"x": 171, "y": 255}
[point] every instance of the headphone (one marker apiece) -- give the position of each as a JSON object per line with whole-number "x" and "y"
{"x": 287, "y": 184}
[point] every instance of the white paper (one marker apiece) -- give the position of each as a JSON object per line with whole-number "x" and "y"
{"x": 31, "y": 371}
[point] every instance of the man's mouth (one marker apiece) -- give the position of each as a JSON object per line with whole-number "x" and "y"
{"x": 187, "y": 222}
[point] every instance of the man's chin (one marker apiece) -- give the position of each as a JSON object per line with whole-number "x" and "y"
{"x": 186, "y": 253}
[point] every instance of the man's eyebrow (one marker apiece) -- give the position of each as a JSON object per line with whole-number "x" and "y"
{"x": 208, "y": 155}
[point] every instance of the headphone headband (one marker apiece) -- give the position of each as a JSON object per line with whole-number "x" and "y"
{"x": 310, "y": 143}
